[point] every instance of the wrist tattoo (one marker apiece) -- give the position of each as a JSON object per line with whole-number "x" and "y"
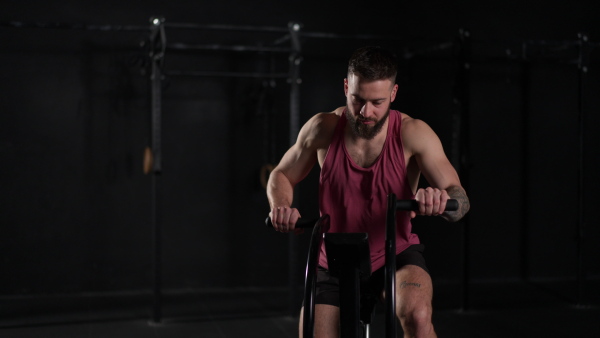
{"x": 464, "y": 205}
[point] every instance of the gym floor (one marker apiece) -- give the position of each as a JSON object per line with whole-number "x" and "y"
{"x": 507, "y": 309}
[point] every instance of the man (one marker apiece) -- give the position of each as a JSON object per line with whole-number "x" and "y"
{"x": 367, "y": 151}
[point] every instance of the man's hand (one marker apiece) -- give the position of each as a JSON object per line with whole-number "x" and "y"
{"x": 284, "y": 219}
{"x": 432, "y": 202}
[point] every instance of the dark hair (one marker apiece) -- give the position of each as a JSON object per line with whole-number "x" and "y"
{"x": 373, "y": 63}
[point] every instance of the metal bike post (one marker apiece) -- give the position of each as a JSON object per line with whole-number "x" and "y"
{"x": 390, "y": 268}
{"x": 312, "y": 263}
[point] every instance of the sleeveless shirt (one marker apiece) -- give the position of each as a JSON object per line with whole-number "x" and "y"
{"x": 355, "y": 198}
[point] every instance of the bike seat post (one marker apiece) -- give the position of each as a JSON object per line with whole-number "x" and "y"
{"x": 367, "y": 311}
{"x": 349, "y": 302}
{"x": 367, "y": 330}
{"x": 348, "y": 258}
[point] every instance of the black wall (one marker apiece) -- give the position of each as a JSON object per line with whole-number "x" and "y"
{"x": 75, "y": 119}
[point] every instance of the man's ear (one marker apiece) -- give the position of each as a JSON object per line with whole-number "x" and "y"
{"x": 394, "y": 92}
{"x": 346, "y": 87}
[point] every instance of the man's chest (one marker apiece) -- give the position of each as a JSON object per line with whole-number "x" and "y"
{"x": 364, "y": 153}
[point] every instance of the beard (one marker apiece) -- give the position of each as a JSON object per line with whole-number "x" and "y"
{"x": 366, "y": 131}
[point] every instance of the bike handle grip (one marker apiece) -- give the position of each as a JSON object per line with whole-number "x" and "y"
{"x": 413, "y": 205}
{"x": 301, "y": 223}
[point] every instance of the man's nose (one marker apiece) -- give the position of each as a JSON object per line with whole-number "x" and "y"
{"x": 366, "y": 110}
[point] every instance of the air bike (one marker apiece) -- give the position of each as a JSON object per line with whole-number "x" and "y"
{"x": 349, "y": 259}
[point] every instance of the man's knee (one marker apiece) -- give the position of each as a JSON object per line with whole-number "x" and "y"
{"x": 416, "y": 318}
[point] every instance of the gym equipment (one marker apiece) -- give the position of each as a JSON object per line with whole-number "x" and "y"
{"x": 348, "y": 258}
{"x": 320, "y": 227}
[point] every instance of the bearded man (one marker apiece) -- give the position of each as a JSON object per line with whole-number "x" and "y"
{"x": 367, "y": 151}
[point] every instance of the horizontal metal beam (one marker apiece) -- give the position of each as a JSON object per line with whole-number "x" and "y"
{"x": 76, "y": 26}
{"x": 324, "y": 35}
{"x": 226, "y": 27}
{"x": 193, "y": 73}
{"x": 285, "y": 30}
{"x": 233, "y": 48}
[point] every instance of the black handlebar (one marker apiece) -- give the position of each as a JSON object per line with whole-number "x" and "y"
{"x": 302, "y": 223}
{"x": 413, "y": 205}
{"x": 404, "y": 205}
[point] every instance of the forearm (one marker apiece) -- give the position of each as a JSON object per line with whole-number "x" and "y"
{"x": 280, "y": 191}
{"x": 459, "y": 194}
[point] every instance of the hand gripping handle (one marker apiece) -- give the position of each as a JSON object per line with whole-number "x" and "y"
{"x": 413, "y": 205}
{"x": 302, "y": 223}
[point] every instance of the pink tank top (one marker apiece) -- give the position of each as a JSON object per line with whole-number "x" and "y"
{"x": 355, "y": 198}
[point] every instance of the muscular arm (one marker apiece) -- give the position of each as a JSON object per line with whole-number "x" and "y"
{"x": 293, "y": 167}
{"x": 426, "y": 149}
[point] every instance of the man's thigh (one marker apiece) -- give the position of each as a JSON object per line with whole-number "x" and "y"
{"x": 413, "y": 288}
{"x": 328, "y": 286}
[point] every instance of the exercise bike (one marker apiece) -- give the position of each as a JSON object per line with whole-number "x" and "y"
{"x": 349, "y": 259}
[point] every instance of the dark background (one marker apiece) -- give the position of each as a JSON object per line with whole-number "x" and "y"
{"x": 76, "y": 212}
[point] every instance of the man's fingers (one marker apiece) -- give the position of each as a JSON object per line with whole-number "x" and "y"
{"x": 419, "y": 197}
{"x": 435, "y": 210}
{"x": 278, "y": 219}
{"x": 443, "y": 201}
{"x": 432, "y": 201}
{"x": 284, "y": 218}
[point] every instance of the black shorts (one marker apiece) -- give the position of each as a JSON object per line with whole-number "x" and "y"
{"x": 328, "y": 287}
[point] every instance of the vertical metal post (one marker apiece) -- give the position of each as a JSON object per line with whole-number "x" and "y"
{"x": 350, "y": 304}
{"x": 583, "y": 69}
{"x": 158, "y": 44}
{"x": 310, "y": 280}
{"x": 461, "y": 146}
{"x": 294, "y": 79}
{"x": 390, "y": 267}
{"x": 525, "y": 125}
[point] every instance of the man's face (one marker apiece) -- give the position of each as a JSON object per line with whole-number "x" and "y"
{"x": 368, "y": 104}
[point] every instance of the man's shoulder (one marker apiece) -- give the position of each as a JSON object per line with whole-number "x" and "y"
{"x": 415, "y": 132}
{"x": 405, "y": 117}
{"x": 332, "y": 116}
{"x": 325, "y": 122}
{"x": 320, "y": 128}
{"x": 411, "y": 125}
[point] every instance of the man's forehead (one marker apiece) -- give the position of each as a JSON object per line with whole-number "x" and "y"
{"x": 357, "y": 79}
{"x": 371, "y": 90}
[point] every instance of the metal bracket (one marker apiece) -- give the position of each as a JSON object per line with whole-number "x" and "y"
{"x": 583, "y": 61}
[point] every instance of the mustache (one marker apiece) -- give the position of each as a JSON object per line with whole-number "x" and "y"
{"x": 360, "y": 118}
